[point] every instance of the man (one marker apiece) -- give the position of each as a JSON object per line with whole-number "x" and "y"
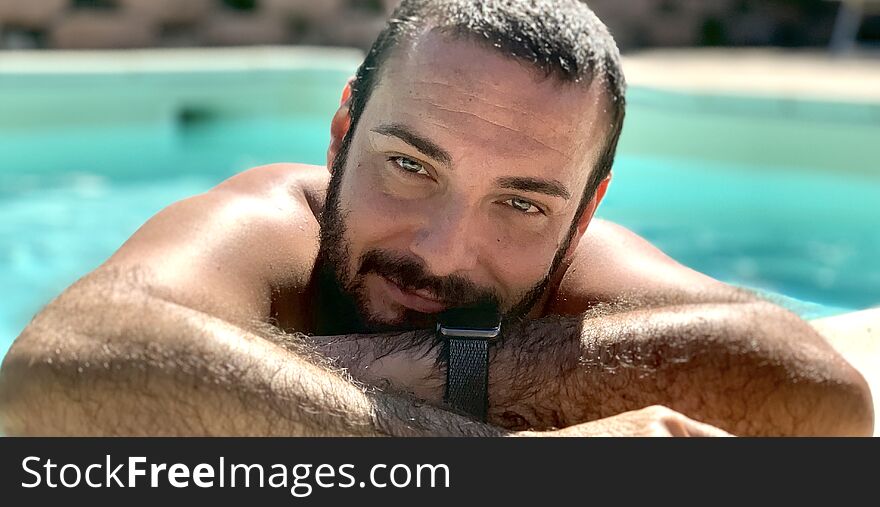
{"x": 467, "y": 160}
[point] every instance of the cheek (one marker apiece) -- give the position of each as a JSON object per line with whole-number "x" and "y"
{"x": 520, "y": 261}
{"x": 374, "y": 219}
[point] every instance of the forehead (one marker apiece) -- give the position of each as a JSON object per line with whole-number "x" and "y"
{"x": 481, "y": 103}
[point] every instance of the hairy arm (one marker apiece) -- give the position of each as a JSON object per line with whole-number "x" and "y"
{"x": 107, "y": 358}
{"x": 750, "y": 368}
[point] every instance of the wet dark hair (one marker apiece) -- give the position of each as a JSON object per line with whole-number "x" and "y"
{"x": 562, "y": 38}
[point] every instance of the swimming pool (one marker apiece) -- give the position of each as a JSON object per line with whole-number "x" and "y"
{"x": 763, "y": 193}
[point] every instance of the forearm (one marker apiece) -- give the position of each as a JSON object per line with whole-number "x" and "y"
{"x": 142, "y": 366}
{"x": 750, "y": 368}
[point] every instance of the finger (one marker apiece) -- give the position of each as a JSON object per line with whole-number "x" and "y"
{"x": 683, "y": 426}
{"x": 698, "y": 429}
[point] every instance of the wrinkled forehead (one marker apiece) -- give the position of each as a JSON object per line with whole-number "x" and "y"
{"x": 479, "y": 99}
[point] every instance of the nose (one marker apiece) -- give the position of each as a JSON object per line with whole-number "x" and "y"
{"x": 447, "y": 241}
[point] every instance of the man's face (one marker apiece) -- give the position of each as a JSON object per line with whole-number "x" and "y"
{"x": 462, "y": 183}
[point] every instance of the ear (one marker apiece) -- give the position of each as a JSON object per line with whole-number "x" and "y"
{"x": 587, "y": 217}
{"x": 340, "y": 124}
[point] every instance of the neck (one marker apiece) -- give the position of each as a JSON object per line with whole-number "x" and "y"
{"x": 545, "y": 305}
{"x": 333, "y": 312}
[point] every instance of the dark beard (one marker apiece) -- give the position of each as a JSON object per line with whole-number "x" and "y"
{"x": 341, "y": 305}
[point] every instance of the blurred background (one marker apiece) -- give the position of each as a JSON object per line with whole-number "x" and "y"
{"x": 92, "y": 24}
{"x": 750, "y": 152}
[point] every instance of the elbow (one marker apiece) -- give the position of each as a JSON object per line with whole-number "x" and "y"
{"x": 21, "y": 395}
{"x": 863, "y": 420}
{"x": 837, "y": 398}
{"x": 845, "y": 406}
{"x": 813, "y": 391}
{"x": 839, "y": 405}
{"x": 790, "y": 400}
{"x": 40, "y": 387}
{"x": 10, "y": 417}
{"x": 824, "y": 396}
{"x": 777, "y": 377}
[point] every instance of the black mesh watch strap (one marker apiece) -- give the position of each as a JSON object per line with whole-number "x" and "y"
{"x": 467, "y": 376}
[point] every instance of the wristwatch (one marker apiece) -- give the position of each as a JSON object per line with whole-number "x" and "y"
{"x": 466, "y": 334}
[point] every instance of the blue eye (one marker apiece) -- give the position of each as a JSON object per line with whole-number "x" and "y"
{"x": 409, "y": 165}
{"x": 523, "y": 206}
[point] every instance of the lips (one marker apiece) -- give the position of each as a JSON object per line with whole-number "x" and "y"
{"x": 420, "y": 300}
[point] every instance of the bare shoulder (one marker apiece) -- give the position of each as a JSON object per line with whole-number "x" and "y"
{"x": 613, "y": 263}
{"x": 279, "y": 181}
{"x": 228, "y": 251}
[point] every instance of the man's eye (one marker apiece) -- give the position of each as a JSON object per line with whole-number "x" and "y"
{"x": 523, "y": 206}
{"x": 410, "y": 165}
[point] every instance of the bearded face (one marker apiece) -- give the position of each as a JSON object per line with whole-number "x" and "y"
{"x": 461, "y": 183}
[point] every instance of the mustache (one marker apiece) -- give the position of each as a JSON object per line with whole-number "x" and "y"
{"x": 412, "y": 275}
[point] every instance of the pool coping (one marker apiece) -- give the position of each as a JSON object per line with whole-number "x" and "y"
{"x": 175, "y": 60}
{"x": 759, "y": 72}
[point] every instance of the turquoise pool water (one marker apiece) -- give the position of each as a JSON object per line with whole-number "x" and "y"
{"x": 71, "y": 193}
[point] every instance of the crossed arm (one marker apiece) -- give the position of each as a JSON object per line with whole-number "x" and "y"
{"x": 153, "y": 367}
{"x": 109, "y": 358}
{"x": 750, "y": 368}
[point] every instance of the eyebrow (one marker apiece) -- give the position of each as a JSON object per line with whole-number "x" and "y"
{"x": 421, "y": 143}
{"x": 539, "y": 185}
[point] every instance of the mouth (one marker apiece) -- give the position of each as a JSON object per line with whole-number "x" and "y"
{"x": 421, "y": 300}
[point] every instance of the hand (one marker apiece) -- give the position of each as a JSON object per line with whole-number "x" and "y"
{"x": 656, "y": 421}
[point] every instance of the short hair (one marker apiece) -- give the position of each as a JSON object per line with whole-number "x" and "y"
{"x": 562, "y": 38}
